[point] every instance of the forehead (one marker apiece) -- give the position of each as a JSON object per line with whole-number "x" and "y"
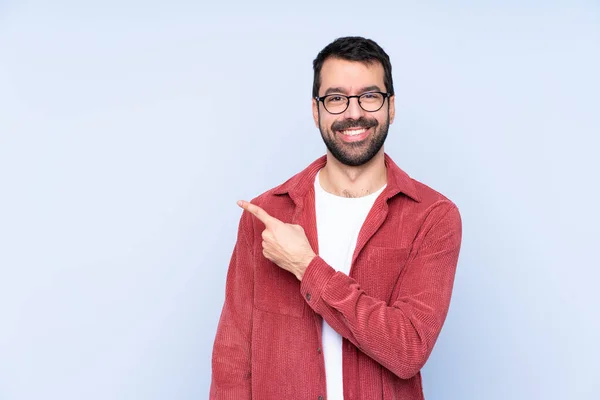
{"x": 350, "y": 75}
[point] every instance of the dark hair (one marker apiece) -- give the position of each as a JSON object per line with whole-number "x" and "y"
{"x": 353, "y": 48}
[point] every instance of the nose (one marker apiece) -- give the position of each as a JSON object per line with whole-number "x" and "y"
{"x": 354, "y": 111}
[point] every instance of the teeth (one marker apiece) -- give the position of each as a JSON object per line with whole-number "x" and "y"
{"x": 353, "y": 132}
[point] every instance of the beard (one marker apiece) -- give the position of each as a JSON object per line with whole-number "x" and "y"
{"x": 355, "y": 154}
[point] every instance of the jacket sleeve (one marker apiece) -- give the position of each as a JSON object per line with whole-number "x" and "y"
{"x": 399, "y": 336}
{"x": 231, "y": 358}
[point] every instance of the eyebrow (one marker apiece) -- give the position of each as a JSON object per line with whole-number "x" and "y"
{"x": 372, "y": 88}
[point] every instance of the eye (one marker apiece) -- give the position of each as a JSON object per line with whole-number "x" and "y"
{"x": 371, "y": 96}
{"x": 335, "y": 99}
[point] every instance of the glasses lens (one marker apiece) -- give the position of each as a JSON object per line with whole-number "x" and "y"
{"x": 335, "y": 104}
{"x": 371, "y": 101}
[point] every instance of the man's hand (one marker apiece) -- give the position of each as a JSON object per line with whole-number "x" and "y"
{"x": 284, "y": 244}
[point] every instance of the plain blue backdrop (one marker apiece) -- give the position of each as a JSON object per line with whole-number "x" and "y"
{"x": 129, "y": 129}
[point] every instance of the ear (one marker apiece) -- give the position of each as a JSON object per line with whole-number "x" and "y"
{"x": 315, "y": 111}
{"x": 392, "y": 101}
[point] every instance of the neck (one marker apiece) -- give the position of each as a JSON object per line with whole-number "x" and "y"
{"x": 346, "y": 181}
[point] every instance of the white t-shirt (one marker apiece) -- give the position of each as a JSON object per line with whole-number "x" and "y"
{"x": 339, "y": 220}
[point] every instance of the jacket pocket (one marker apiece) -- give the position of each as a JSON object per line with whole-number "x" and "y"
{"x": 379, "y": 269}
{"x": 277, "y": 290}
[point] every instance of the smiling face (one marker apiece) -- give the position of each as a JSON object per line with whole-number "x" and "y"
{"x": 355, "y": 136}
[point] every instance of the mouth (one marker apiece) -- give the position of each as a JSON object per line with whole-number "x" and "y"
{"x": 354, "y": 134}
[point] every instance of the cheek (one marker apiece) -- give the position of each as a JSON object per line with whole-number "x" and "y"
{"x": 382, "y": 118}
{"x": 326, "y": 122}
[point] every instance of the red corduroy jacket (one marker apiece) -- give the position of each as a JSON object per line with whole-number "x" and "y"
{"x": 389, "y": 309}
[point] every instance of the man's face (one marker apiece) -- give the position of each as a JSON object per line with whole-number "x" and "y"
{"x": 355, "y": 136}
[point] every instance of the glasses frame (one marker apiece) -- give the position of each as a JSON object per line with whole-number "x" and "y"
{"x": 323, "y": 98}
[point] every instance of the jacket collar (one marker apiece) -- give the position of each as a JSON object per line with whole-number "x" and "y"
{"x": 398, "y": 181}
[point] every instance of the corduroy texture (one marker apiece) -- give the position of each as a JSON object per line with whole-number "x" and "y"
{"x": 390, "y": 309}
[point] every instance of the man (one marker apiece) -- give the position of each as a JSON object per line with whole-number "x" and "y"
{"x": 341, "y": 277}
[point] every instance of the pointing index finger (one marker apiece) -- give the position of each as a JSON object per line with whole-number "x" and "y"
{"x": 257, "y": 212}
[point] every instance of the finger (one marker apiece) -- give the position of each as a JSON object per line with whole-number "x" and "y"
{"x": 257, "y": 212}
{"x": 298, "y": 228}
{"x": 267, "y": 235}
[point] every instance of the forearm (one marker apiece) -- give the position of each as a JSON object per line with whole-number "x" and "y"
{"x": 401, "y": 335}
{"x": 391, "y": 335}
{"x": 231, "y": 360}
{"x": 231, "y": 377}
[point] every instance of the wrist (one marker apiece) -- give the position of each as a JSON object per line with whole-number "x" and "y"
{"x": 304, "y": 265}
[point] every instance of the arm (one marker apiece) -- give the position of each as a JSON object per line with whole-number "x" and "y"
{"x": 231, "y": 367}
{"x": 401, "y": 336}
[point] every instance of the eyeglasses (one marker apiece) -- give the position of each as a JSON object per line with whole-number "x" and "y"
{"x": 338, "y": 103}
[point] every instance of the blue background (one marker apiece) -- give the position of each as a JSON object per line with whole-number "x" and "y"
{"x": 129, "y": 130}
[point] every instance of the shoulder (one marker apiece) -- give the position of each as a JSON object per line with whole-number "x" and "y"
{"x": 422, "y": 205}
{"x": 296, "y": 186}
{"x": 430, "y": 196}
{"x": 435, "y": 209}
{"x": 279, "y": 201}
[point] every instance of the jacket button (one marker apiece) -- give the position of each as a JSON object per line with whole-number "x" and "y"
{"x": 319, "y": 350}
{"x": 308, "y": 296}
{"x": 320, "y": 397}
